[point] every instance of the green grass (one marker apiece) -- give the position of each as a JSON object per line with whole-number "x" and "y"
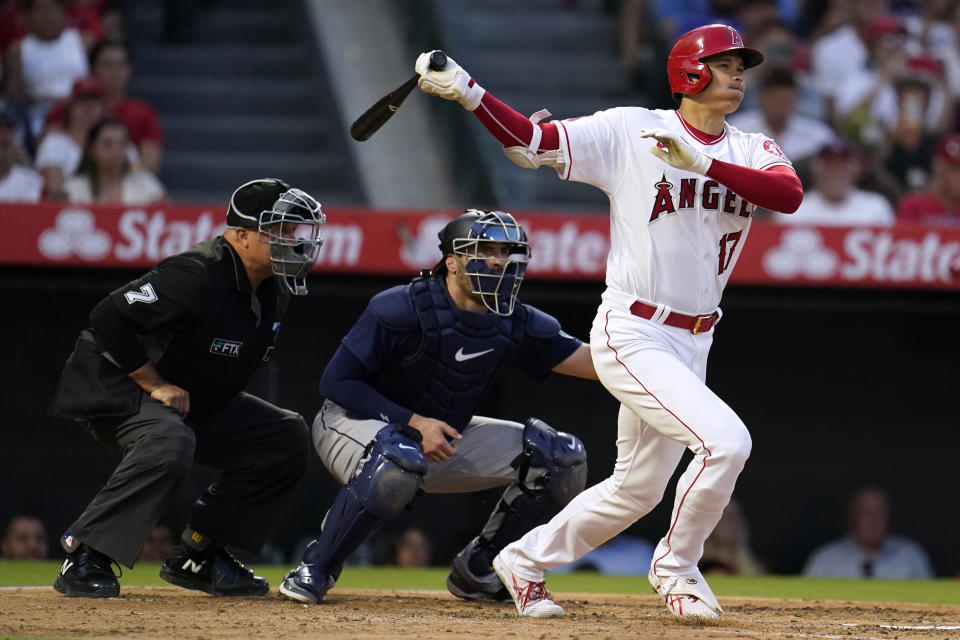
{"x": 943, "y": 591}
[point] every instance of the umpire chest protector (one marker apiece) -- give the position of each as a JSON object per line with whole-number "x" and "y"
{"x": 458, "y": 353}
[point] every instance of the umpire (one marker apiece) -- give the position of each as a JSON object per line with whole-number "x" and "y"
{"x": 158, "y": 377}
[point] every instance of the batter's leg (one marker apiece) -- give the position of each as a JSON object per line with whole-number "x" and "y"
{"x": 646, "y": 460}
{"x": 658, "y": 373}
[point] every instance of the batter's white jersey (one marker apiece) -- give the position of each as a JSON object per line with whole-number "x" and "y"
{"x": 675, "y": 235}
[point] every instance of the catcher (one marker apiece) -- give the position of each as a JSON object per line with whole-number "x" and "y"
{"x": 402, "y": 393}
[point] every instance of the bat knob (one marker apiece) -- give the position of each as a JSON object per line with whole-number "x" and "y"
{"x": 438, "y": 60}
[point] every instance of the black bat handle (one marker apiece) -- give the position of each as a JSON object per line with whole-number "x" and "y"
{"x": 438, "y": 60}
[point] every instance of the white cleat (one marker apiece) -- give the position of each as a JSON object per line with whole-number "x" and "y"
{"x": 687, "y": 596}
{"x": 531, "y": 598}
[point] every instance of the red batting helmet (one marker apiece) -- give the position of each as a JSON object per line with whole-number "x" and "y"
{"x": 692, "y": 47}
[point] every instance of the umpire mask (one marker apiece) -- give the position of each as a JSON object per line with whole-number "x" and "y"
{"x": 493, "y": 255}
{"x": 292, "y": 228}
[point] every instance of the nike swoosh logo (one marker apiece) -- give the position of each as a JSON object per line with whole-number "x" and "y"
{"x": 460, "y": 356}
{"x": 406, "y": 446}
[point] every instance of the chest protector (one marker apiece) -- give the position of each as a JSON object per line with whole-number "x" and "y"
{"x": 457, "y": 358}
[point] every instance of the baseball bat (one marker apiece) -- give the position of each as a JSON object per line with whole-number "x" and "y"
{"x": 381, "y": 111}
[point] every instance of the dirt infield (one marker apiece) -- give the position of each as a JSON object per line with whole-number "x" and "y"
{"x": 168, "y": 612}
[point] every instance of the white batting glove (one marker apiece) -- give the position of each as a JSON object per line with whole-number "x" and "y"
{"x": 678, "y": 152}
{"x": 451, "y": 83}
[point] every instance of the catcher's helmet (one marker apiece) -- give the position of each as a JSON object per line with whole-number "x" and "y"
{"x": 688, "y": 52}
{"x": 464, "y": 237}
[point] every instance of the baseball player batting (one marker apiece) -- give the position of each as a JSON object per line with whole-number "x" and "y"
{"x": 682, "y": 185}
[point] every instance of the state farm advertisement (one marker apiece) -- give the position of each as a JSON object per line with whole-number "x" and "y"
{"x": 565, "y": 246}
{"x": 905, "y": 256}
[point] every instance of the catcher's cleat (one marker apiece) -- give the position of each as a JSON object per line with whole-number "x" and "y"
{"x": 306, "y": 584}
{"x": 217, "y": 573}
{"x": 464, "y": 581}
{"x": 687, "y": 596}
{"x": 87, "y": 574}
{"x": 531, "y": 598}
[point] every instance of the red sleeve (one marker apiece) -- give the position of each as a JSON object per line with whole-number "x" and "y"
{"x": 151, "y": 125}
{"x": 512, "y": 128}
{"x": 778, "y": 188}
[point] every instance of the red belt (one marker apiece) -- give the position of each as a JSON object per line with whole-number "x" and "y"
{"x": 693, "y": 324}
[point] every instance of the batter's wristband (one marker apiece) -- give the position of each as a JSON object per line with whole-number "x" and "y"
{"x": 471, "y": 99}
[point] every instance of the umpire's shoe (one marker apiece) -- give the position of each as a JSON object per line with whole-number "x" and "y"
{"x": 87, "y": 574}
{"x": 306, "y": 584}
{"x": 216, "y": 572}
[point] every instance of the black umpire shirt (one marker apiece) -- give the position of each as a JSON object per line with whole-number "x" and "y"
{"x": 195, "y": 316}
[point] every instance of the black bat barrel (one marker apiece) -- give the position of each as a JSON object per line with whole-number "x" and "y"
{"x": 373, "y": 118}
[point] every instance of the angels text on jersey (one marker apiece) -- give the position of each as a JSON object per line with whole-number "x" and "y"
{"x": 711, "y": 194}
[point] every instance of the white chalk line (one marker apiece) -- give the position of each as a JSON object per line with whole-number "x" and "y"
{"x": 909, "y": 627}
{"x": 791, "y": 634}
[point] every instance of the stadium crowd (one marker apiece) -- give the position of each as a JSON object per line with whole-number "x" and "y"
{"x": 862, "y": 95}
{"x": 68, "y": 129}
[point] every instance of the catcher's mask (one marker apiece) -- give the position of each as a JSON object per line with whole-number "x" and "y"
{"x": 492, "y": 250}
{"x": 292, "y": 228}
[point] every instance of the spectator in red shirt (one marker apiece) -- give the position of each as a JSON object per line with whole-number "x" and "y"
{"x": 940, "y": 205}
{"x": 110, "y": 63}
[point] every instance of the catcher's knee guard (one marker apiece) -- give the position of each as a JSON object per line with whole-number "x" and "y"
{"x": 392, "y": 471}
{"x": 553, "y": 461}
{"x": 390, "y": 475}
{"x": 552, "y": 469}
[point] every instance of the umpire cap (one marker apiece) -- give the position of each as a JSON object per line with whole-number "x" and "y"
{"x": 459, "y": 227}
{"x": 252, "y": 199}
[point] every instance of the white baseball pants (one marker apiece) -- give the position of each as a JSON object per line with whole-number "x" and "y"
{"x": 657, "y": 373}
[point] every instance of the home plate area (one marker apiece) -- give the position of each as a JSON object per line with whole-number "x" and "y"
{"x": 167, "y": 612}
